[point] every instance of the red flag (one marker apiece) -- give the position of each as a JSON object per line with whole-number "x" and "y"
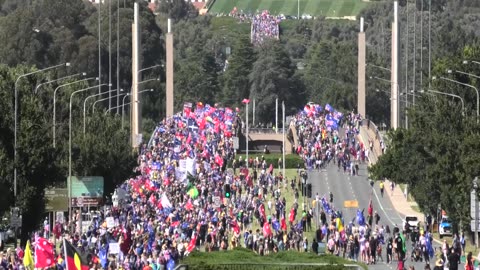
{"x": 283, "y": 223}
{"x": 219, "y": 160}
{"x": 192, "y": 244}
{"x": 270, "y": 169}
{"x": 245, "y": 101}
{"x": 267, "y": 231}
{"x": 189, "y": 138}
{"x": 291, "y": 218}
{"x": 370, "y": 208}
{"x": 189, "y": 205}
{"x": 261, "y": 209}
{"x": 44, "y": 254}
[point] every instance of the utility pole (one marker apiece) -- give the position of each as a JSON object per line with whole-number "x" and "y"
{"x": 109, "y": 54}
{"x": 118, "y": 56}
{"x": 99, "y": 46}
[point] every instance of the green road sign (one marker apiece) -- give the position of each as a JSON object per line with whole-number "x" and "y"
{"x": 87, "y": 186}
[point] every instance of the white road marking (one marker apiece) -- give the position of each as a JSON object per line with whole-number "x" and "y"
{"x": 381, "y": 207}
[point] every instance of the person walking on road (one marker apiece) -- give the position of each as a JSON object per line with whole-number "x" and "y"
{"x": 382, "y": 186}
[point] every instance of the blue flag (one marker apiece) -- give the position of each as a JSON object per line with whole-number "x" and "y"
{"x": 171, "y": 264}
{"x": 102, "y": 255}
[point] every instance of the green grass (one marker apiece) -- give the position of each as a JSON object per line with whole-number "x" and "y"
{"x": 327, "y": 8}
{"x": 247, "y": 258}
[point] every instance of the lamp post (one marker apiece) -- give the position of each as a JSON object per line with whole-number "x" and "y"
{"x": 128, "y": 103}
{"x": 59, "y": 79}
{"x": 475, "y": 189}
{"x": 16, "y": 120}
{"x": 103, "y": 99}
{"x": 394, "y": 98}
{"x": 379, "y": 67}
{"x": 54, "y": 103}
{"x": 451, "y": 95}
{"x": 467, "y": 85}
{"x": 70, "y": 144}
{"x": 85, "y": 105}
{"x": 147, "y": 68}
{"x": 123, "y": 102}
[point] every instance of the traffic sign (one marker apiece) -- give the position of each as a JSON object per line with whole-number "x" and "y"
{"x": 56, "y": 199}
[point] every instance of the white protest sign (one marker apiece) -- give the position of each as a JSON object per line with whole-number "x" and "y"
{"x": 110, "y": 222}
{"x": 113, "y": 248}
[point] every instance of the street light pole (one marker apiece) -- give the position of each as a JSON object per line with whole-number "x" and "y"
{"x": 123, "y": 102}
{"x": 85, "y": 105}
{"x": 16, "y": 120}
{"x": 70, "y": 145}
{"x": 100, "y": 100}
{"x": 451, "y": 95}
{"x": 60, "y": 79}
{"x": 118, "y": 52}
{"x": 54, "y": 103}
{"x": 123, "y": 106}
{"x": 149, "y": 90}
{"x": 467, "y": 85}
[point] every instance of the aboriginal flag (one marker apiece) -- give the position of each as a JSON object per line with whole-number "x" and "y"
{"x": 74, "y": 259}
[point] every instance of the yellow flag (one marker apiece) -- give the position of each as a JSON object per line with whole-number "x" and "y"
{"x": 28, "y": 258}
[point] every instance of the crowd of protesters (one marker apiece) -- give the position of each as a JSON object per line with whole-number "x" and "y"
{"x": 264, "y": 26}
{"x": 186, "y": 197}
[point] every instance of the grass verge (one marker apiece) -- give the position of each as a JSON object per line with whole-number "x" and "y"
{"x": 241, "y": 256}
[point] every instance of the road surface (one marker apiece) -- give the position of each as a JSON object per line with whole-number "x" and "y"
{"x": 345, "y": 187}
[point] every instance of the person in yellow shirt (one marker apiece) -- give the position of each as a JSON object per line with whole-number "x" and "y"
{"x": 382, "y": 186}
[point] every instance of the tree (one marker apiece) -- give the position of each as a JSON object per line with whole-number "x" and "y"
{"x": 270, "y": 79}
{"x": 236, "y": 85}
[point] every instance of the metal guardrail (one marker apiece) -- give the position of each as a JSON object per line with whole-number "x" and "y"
{"x": 286, "y": 266}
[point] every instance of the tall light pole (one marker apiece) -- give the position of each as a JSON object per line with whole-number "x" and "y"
{"x": 16, "y": 120}
{"x": 283, "y": 138}
{"x": 467, "y": 85}
{"x": 103, "y": 99}
{"x": 123, "y": 106}
{"x": 450, "y": 95}
{"x": 109, "y": 53}
{"x": 128, "y": 94}
{"x": 147, "y": 68}
{"x": 70, "y": 146}
{"x": 85, "y": 106}
{"x": 99, "y": 46}
{"x": 429, "y": 43}
{"x": 59, "y": 79}
{"x": 118, "y": 52}
{"x": 54, "y": 104}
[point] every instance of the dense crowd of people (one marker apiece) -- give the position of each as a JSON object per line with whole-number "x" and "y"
{"x": 264, "y": 26}
{"x": 193, "y": 192}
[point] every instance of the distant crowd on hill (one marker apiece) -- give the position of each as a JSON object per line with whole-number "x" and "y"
{"x": 264, "y": 26}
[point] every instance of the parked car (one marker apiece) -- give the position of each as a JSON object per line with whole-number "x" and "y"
{"x": 410, "y": 223}
{"x": 445, "y": 227}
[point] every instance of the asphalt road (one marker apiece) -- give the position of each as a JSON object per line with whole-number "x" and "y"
{"x": 345, "y": 187}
